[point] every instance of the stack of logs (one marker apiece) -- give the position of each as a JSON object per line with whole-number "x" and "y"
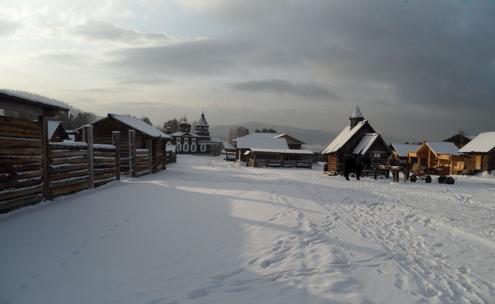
{"x": 142, "y": 162}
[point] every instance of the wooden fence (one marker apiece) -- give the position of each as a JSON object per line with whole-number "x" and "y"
{"x": 21, "y": 163}
{"x": 27, "y": 177}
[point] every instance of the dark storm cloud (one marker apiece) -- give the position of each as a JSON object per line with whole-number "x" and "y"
{"x": 306, "y": 89}
{"x": 433, "y": 55}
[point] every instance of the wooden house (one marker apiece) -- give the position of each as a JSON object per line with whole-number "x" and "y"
{"x": 146, "y": 137}
{"x": 56, "y": 132}
{"x": 288, "y": 158}
{"x": 24, "y": 147}
{"x": 460, "y": 140}
{"x": 443, "y": 156}
{"x": 480, "y": 152}
{"x": 245, "y": 143}
{"x": 357, "y": 139}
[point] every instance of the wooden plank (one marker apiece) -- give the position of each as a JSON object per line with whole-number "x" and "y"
{"x": 81, "y": 146}
{"x": 68, "y": 189}
{"x": 19, "y": 151}
{"x": 19, "y": 183}
{"x": 69, "y": 160}
{"x": 104, "y": 176}
{"x": 101, "y": 182}
{"x": 66, "y": 153}
{"x": 67, "y": 174}
{"x": 132, "y": 151}
{"x": 104, "y": 154}
{"x": 16, "y": 203}
{"x": 10, "y": 194}
{"x": 67, "y": 182}
{"x": 43, "y": 120}
{"x": 67, "y": 167}
{"x": 9, "y": 142}
{"x": 5, "y": 176}
{"x": 19, "y": 122}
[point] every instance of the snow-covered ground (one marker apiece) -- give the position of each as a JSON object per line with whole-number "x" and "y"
{"x": 206, "y": 231}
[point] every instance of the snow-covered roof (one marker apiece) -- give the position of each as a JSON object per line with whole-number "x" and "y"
{"x": 357, "y": 113}
{"x": 52, "y": 127}
{"x": 443, "y": 147}
{"x": 404, "y": 149}
{"x": 261, "y": 140}
{"x": 484, "y": 142}
{"x": 343, "y": 137}
{"x": 37, "y": 99}
{"x": 139, "y": 125}
{"x": 283, "y": 151}
{"x": 287, "y": 136}
{"x": 365, "y": 143}
{"x": 179, "y": 133}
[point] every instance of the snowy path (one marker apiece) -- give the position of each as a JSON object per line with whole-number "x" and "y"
{"x": 205, "y": 231}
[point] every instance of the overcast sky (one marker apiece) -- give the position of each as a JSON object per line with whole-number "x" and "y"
{"x": 419, "y": 69}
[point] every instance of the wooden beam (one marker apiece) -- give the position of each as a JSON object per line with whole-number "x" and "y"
{"x": 132, "y": 151}
{"x": 88, "y": 136}
{"x": 115, "y": 142}
{"x": 44, "y": 153}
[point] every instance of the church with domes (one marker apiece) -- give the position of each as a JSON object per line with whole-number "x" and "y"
{"x": 195, "y": 141}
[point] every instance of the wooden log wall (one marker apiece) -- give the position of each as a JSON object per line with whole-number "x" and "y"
{"x": 68, "y": 168}
{"x": 21, "y": 171}
{"x": 159, "y": 155}
{"x": 142, "y": 162}
{"x": 105, "y": 165}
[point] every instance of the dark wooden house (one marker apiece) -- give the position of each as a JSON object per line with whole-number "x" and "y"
{"x": 147, "y": 137}
{"x": 480, "y": 152}
{"x": 24, "y": 147}
{"x": 357, "y": 139}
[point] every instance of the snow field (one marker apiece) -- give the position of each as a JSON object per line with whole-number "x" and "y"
{"x": 207, "y": 231}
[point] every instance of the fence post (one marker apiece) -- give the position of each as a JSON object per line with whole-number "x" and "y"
{"x": 149, "y": 144}
{"x": 132, "y": 152}
{"x": 88, "y": 137}
{"x": 115, "y": 142}
{"x": 164, "y": 154}
{"x": 44, "y": 159}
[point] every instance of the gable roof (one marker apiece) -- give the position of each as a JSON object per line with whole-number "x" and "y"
{"x": 484, "y": 142}
{"x": 344, "y": 136}
{"x": 365, "y": 143}
{"x": 290, "y": 138}
{"x": 36, "y": 100}
{"x": 443, "y": 148}
{"x": 52, "y": 127}
{"x": 139, "y": 125}
{"x": 261, "y": 140}
{"x": 403, "y": 149}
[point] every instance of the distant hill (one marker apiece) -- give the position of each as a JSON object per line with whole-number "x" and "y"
{"x": 311, "y": 137}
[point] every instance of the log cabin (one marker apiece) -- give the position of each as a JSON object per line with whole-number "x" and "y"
{"x": 480, "y": 152}
{"x": 401, "y": 151}
{"x": 357, "y": 139}
{"x": 444, "y": 157}
{"x": 460, "y": 140}
{"x": 147, "y": 137}
{"x": 24, "y": 147}
{"x": 292, "y": 142}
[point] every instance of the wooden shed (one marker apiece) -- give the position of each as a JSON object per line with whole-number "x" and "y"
{"x": 359, "y": 138}
{"x": 442, "y": 156}
{"x": 288, "y": 158}
{"x": 24, "y": 147}
{"x": 149, "y": 142}
{"x": 480, "y": 152}
{"x": 292, "y": 142}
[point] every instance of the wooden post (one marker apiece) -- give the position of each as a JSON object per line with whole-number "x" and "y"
{"x": 149, "y": 145}
{"x": 44, "y": 159}
{"x": 164, "y": 149}
{"x": 116, "y": 142}
{"x": 88, "y": 136}
{"x": 132, "y": 152}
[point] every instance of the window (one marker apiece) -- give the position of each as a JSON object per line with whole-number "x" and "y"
{"x": 178, "y": 148}
{"x": 193, "y": 148}
{"x": 193, "y": 141}
{"x": 186, "y": 140}
{"x": 185, "y": 147}
{"x": 203, "y": 148}
{"x": 376, "y": 155}
{"x": 178, "y": 141}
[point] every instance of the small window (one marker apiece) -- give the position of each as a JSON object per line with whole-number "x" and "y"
{"x": 178, "y": 147}
{"x": 193, "y": 148}
{"x": 185, "y": 147}
{"x": 203, "y": 148}
{"x": 178, "y": 140}
{"x": 193, "y": 141}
